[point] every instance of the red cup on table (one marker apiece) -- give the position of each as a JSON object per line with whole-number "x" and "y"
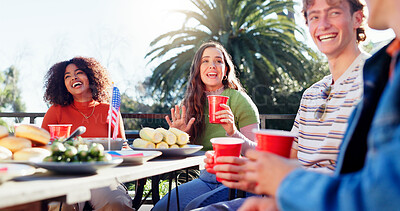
{"x": 275, "y": 141}
{"x": 59, "y": 131}
{"x": 226, "y": 146}
{"x": 214, "y": 102}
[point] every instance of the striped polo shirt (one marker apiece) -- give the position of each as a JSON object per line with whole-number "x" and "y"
{"x": 318, "y": 140}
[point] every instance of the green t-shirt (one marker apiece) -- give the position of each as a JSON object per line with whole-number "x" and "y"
{"x": 243, "y": 109}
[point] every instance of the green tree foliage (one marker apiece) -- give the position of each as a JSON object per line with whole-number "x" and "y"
{"x": 272, "y": 65}
{"x": 10, "y": 95}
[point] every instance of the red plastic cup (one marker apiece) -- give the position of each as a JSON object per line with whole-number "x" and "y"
{"x": 59, "y": 131}
{"x": 226, "y": 146}
{"x": 275, "y": 141}
{"x": 214, "y": 102}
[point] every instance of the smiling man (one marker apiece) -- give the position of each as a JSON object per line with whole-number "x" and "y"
{"x": 368, "y": 172}
{"x": 335, "y": 26}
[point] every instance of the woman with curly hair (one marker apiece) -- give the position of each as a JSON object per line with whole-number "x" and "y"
{"x": 212, "y": 73}
{"x": 78, "y": 91}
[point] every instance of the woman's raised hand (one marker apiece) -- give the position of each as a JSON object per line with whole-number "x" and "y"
{"x": 178, "y": 120}
{"x": 226, "y": 116}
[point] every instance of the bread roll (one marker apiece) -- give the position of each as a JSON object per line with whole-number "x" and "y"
{"x": 38, "y": 135}
{"x": 3, "y": 131}
{"x": 31, "y": 154}
{"x": 15, "y": 143}
{"x": 5, "y": 154}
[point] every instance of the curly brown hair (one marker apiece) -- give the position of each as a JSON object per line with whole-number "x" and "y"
{"x": 99, "y": 81}
{"x": 355, "y": 5}
{"x": 195, "y": 96}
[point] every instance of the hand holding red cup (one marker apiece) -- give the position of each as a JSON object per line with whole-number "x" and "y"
{"x": 275, "y": 141}
{"x": 214, "y": 102}
{"x": 225, "y": 146}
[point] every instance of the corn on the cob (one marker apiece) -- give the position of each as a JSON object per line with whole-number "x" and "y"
{"x": 184, "y": 146}
{"x": 169, "y": 137}
{"x": 162, "y": 145}
{"x": 174, "y": 146}
{"x": 182, "y": 137}
{"x": 149, "y": 134}
{"x": 140, "y": 143}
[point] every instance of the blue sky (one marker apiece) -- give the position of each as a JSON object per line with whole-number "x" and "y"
{"x": 35, "y": 34}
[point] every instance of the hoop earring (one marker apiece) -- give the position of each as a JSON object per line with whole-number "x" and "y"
{"x": 225, "y": 80}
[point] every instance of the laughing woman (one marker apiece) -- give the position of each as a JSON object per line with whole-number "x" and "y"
{"x": 212, "y": 73}
{"x": 78, "y": 91}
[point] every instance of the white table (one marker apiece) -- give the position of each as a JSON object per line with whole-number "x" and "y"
{"x": 45, "y": 185}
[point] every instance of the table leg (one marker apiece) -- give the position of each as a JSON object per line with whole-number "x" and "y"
{"x": 169, "y": 189}
{"x": 137, "y": 201}
{"x": 177, "y": 194}
{"x": 155, "y": 184}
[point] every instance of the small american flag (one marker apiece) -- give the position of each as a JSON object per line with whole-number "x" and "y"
{"x": 115, "y": 105}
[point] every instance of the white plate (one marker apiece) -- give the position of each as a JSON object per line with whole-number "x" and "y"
{"x": 78, "y": 168}
{"x": 17, "y": 162}
{"x": 174, "y": 151}
{"x": 130, "y": 158}
{"x": 14, "y": 170}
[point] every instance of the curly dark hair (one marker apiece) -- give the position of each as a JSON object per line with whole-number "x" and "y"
{"x": 355, "y": 5}
{"x": 99, "y": 81}
{"x": 195, "y": 96}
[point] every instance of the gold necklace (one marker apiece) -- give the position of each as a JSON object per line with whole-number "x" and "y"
{"x": 86, "y": 117}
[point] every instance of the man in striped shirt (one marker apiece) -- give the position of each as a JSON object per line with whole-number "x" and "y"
{"x": 325, "y": 107}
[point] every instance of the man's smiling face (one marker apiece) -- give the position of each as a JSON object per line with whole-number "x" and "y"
{"x": 332, "y": 27}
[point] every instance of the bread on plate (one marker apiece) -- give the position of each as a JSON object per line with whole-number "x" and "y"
{"x": 37, "y": 135}
{"x": 15, "y": 143}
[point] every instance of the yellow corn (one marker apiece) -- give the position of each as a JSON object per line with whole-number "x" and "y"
{"x": 149, "y": 134}
{"x": 140, "y": 143}
{"x": 184, "y": 146}
{"x": 169, "y": 137}
{"x": 162, "y": 145}
{"x": 182, "y": 137}
{"x": 174, "y": 146}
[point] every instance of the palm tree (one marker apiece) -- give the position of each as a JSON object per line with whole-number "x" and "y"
{"x": 256, "y": 33}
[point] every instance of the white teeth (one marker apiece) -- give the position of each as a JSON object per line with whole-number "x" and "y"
{"x": 76, "y": 84}
{"x": 327, "y": 37}
{"x": 212, "y": 74}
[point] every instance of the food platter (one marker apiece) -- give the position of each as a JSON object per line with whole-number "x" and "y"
{"x": 134, "y": 157}
{"x": 12, "y": 170}
{"x": 78, "y": 167}
{"x": 190, "y": 149}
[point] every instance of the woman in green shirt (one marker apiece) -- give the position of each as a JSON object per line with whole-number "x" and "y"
{"x": 212, "y": 73}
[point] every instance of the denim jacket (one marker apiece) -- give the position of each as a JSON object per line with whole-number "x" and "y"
{"x": 368, "y": 171}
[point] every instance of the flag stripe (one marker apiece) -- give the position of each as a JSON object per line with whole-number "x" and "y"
{"x": 115, "y": 106}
